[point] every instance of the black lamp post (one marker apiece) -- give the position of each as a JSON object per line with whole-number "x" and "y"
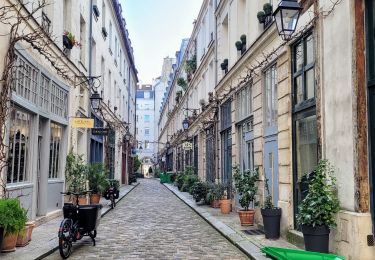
{"x": 286, "y": 16}
{"x": 95, "y": 100}
{"x": 185, "y": 124}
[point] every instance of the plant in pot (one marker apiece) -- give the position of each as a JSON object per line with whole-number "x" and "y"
{"x": 182, "y": 83}
{"x": 317, "y": 211}
{"x": 239, "y": 45}
{"x": 215, "y": 193}
{"x": 69, "y": 40}
{"x": 199, "y": 191}
{"x": 243, "y": 39}
{"x": 245, "y": 183}
{"x": 267, "y": 8}
{"x": 261, "y": 17}
{"x": 96, "y": 175}
{"x": 210, "y": 97}
{"x": 76, "y": 175}
{"x": 225, "y": 201}
{"x": 271, "y": 215}
{"x": 13, "y": 219}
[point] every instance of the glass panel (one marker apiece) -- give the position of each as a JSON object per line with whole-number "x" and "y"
{"x": 298, "y": 90}
{"x": 56, "y": 133}
{"x": 309, "y": 50}
{"x": 310, "y": 86}
{"x": 298, "y": 52}
{"x": 306, "y": 145}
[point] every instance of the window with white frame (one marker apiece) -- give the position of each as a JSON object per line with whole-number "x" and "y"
{"x": 59, "y": 101}
{"x": 271, "y": 96}
{"x": 26, "y": 80}
{"x": 110, "y": 36}
{"x": 18, "y": 146}
{"x": 244, "y": 103}
{"x": 55, "y": 148}
{"x": 147, "y": 131}
{"x": 44, "y": 94}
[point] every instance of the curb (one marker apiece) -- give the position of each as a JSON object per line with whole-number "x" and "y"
{"x": 51, "y": 251}
{"x": 248, "y": 248}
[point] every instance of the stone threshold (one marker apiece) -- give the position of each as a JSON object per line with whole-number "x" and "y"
{"x": 44, "y": 240}
{"x": 250, "y": 248}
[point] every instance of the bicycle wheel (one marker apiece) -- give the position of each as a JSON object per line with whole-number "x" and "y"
{"x": 112, "y": 201}
{"x": 65, "y": 241}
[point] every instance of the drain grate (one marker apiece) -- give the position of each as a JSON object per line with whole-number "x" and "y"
{"x": 253, "y": 232}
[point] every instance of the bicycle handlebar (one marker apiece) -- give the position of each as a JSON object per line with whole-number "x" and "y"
{"x": 76, "y": 193}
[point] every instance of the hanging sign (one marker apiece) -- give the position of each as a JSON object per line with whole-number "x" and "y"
{"x": 187, "y": 146}
{"x": 100, "y": 131}
{"x": 79, "y": 122}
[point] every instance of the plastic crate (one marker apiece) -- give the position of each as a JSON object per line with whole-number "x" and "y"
{"x": 292, "y": 254}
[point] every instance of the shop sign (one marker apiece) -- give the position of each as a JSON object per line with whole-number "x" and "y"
{"x": 187, "y": 146}
{"x": 100, "y": 131}
{"x": 79, "y": 122}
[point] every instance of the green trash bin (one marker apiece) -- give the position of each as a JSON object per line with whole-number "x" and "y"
{"x": 167, "y": 178}
{"x": 293, "y": 254}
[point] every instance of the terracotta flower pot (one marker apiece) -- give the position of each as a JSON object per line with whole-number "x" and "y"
{"x": 215, "y": 204}
{"x": 246, "y": 217}
{"x": 31, "y": 228}
{"x": 9, "y": 243}
{"x": 23, "y": 237}
{"x": 82, "y": 200}
{"x": 94, "y": 198}
{"x": 225, "y": 206}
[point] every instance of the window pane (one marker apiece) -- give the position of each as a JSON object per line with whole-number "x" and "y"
{"x": 309, "y": 50}
{"x": 310, "y": 86}
{"x": 298, "y": 52}
{"x": 306, "y": 145}
{"x": 56, "y": 132}
{"x": 298, "y": 89}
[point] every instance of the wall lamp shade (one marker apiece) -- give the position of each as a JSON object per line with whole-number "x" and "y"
{"x": 286, "y": 15}
{"x": 185, "y": 124}
{"x": 95, "y": 100}
{"x": 127, "y": 136}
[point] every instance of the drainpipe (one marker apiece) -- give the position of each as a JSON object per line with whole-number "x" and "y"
{"x": 90, "y": 82}
{"x": 216, "y": 124}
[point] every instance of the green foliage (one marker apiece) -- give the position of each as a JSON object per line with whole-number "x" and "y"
{"x": 75, "y": 173}
{"x": 12, "y": 216}
{"x": 243, "y": 39}
{"x": 189, "y": 181}
{"x": 137, "y": 163}
{"x": 268, "y": 200}
{"x": 182, "y": 83}
{"x": 157, "y": 173}
{"x": 191, "y": 65}
{"x": 199, "y": 191}
{"x": 180, "y": 180}
{"x": 245, "y": 183}
{"x": 215, "y": 192}
{"x": 321, "y": 203}
{"x": 261, "y": 16}
{"x": 109, "y": 182}
{"x": 97, "y": 176}
{"x": 267, "y": 8}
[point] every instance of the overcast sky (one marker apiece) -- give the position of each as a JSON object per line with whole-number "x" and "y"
{"x": 156, "y": 28}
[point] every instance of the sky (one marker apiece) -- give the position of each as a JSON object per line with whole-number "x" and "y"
{"x": 156, "y": 28}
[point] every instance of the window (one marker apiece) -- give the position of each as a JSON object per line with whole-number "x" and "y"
{"x": 147, "y": 131}
{"x": 44, "y": 95}
{"x": 54, "y": 152}
{"x": 271, "y": 97}
{"x": 147, "y": 144}
{"x": 46, "y": 23}
{"x": 244, "y": 103}
{"x": 226, "y": 120}
{"x": 18, "y": 146}
{"x": 226, "y": 141}
{"x": 26, "y": 81}
{"x": 147, "y": 118}
{"x": 59, "y": 101}
{"x": 246, "y": 145}
{"x": 103, "y": 14}
{"x": 116, "y": 50}
{"x": 110, "y": 37}
{"x": 146, "y": 95}
{"x": 83, "y": 41}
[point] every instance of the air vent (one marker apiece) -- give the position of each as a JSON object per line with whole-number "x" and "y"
{"x": 370, "y": 240}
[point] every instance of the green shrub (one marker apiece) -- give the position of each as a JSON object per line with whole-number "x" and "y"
{"x": 180, "y": 180}
{"x": 97, "y": 177}
{"x": 189, "y": 181}
{"x": 199, "y": 191}
{"x": 215, "y": 191}
{"x": 75, "y": 173}
{"x": 12, "y": 216}
{"x": 245, "y": 183}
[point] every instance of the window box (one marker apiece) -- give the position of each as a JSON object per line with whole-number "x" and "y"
{"x": 95, "y": 9}
{"x": 104, "y": 32}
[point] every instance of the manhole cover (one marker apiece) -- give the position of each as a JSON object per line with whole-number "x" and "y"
{"x": 253, "y": 232}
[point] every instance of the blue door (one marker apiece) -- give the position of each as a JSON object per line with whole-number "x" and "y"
{"x": 271, "y": 166}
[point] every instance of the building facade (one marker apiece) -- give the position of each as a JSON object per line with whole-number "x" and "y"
{"x": 281, "y": 106}
{"x": 53, "y": 84}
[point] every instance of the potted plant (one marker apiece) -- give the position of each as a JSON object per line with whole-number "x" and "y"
{"x": 225, "y": 202}
{"x": 261, "y": 17}
{"x": 69, "y": 40}
{"x": 191, "y": 65}
{"x": 215, "y": 193}
{"x": 271, "y": 215}
{"x": 239, "y": 45}
{"x": 76, "y": 175}
{"x": 245, "y": 184}
{"x": 210, "y": 97}
{"x": 13, "y": 219}
{"x": 243, "y": 39}
{"x": 182, "y": 83}
{"x": 199, "y": 191}
{"x": 318, "y": 209}
{"x": 267, "y": 8}
{"x": 96, "y": 175}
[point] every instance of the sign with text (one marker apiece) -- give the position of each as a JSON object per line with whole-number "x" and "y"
{"x": 100, "y": 131}
{"x": 79, "y": 122}
{"x": 187, "y": 146}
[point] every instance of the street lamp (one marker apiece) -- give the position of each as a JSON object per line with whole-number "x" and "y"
{"x": 286, "y": 16}
{"x": 168, "y": 144}
{"x": 95, "y": 100}
{"x": 185, "y": 124}
{"x": 127, "y": 136}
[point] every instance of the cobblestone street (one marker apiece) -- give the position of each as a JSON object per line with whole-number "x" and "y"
{"x": 151, "y": 223}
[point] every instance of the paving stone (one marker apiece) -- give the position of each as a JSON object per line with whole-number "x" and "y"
{"x": 152, "y": 223}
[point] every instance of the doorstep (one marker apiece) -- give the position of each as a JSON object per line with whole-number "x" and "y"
{"x": 44, "y": 239}
{"x": 229, "y": 226}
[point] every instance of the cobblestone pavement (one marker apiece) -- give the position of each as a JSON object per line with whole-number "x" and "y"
{"x": 151, "y": 223}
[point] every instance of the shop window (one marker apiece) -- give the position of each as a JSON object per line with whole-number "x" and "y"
{"x": 55, "y": 148}
{"x": 18, "y": 146}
